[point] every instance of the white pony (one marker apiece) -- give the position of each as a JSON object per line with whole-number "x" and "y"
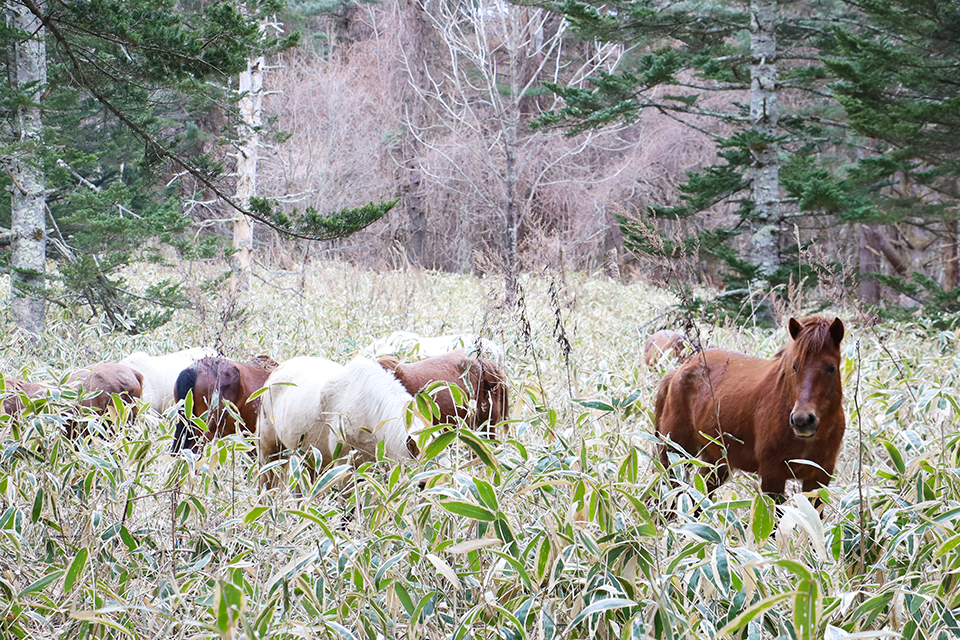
{"x": 404, "y": 343}
{"x": 360, "y": 405}
{"x": 160, "y": 373}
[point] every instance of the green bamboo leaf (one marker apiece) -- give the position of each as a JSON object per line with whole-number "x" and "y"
{"x": 76, "y": 569}
{"x": 488, "y": 496}
{"x": 796, "y": 568}
{"x": 806, "y": 610}
{"x": 753, "y": 612}
{"x": 700, "y": 532}
{"x": 404, "y": 598}
{"x": 437, "y": 446}
{"x": 762, "y": 518}
{"x": 254, "y": 514}
{"x": 895, "y": 456}
{"x": 595, "y": 404}
{"x": 720, "y": 564}
{"x": 606, "y": 604}
{"x": 37, "y": 506}
{"x": 480, "y": 448}
{"x": 468, "y": 510}
{"x": 41, "y": 583}
{"x": 543, "y": 558}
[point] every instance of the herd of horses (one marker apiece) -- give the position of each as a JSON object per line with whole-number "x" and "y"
{"x": 781, "y": 418}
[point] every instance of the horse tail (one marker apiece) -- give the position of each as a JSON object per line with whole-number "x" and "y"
{"x": 184, "y": 435}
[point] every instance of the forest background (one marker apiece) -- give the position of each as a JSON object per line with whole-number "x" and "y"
{"x": 747, "y": 146}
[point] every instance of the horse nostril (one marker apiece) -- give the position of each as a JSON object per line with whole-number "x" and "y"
{"x": 804, "y": 421}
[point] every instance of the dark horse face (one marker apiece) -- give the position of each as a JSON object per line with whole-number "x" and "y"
{"x": 814, "y": 356}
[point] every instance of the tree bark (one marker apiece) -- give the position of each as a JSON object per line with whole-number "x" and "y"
{"x": 879, "y": 242}
{"x": 764, "y": 117}
{"x": 511, "y": 127}
{"x": 250, "y": 89}
{"x": 413, "y": 37}
{"x": 868, "y": 289}
{"x": 28, "y": 72}
{"x": 950, "y": 272}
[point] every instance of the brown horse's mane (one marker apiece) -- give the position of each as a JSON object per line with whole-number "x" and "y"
{"x": 814, "y": 337}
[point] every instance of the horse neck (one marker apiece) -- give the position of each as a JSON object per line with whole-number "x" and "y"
{"x": 385, "y": 403}
{"x": 387, "y": 410}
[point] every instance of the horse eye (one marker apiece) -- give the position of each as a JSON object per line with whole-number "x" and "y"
{"x": 831, "y": 368}
{"x": 794, "y": 366}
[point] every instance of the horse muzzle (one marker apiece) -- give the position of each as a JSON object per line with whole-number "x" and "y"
{"x": 804, "y": 425}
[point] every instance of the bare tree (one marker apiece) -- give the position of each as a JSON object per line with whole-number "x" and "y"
{"x": 497, "y": 53}
{"x": 28, "y": 73}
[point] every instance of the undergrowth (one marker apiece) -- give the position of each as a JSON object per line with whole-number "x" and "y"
{"x": 559, "y": 530}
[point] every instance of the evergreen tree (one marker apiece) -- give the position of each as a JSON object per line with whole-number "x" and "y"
{"x": 127, "y": 83}
{"x": 687, "y": 49}
{"x": 899, "y": 84}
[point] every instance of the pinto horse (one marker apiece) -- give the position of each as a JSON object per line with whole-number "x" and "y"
{"x": 160, "y": 373}
{"x": 661, "y": 343}
{"x": 734, "y": 410}
{"x": 480, "y": 380}
{"x": 317, "y": 403}
{"x": 213, "y": 382}
{"x": 405, "y": 343}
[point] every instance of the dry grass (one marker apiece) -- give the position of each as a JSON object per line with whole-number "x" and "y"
{"x": 113, "y": 537}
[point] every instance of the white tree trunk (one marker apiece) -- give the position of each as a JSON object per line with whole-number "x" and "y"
{"x": 251, "y": 111}
{"x": 28, "y": 69}
{"x": 766, "y": 163}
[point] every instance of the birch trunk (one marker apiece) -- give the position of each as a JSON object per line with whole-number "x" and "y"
{"x": 951, "y": 276}
{"x": 251, "y": 111}
{"x": 766, "y": 163}
{"x": 511, "y": 128}
{"x": 28, "y": 71}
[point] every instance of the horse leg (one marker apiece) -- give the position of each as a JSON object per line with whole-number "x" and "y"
{"x": 715, "y": 475}
{"x": 774, "y": 485}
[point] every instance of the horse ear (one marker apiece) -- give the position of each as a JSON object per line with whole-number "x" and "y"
{"x": 836, "y": 330}
{"x": 794, "y": 327}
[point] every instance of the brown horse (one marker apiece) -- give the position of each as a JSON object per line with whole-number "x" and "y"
{"x": 663, "y": 342}
{"x": 479, "y": 378}
{"x": 14, "y": 392}
{"x": 215, "y": 381}
{"x": 734, "y": 410}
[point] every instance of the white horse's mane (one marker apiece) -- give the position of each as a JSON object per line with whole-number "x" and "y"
{"x": 372, "y": 399}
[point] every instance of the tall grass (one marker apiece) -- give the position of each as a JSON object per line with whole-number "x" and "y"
{"x": 557, "y": 531}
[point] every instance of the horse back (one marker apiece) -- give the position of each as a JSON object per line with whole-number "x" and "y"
{"x": 709, "y": 405}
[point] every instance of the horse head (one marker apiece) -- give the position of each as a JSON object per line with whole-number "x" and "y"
{"x": 812, "y": 358}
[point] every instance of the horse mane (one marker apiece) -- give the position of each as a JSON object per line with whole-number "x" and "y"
{"x": 814, "y": 337}
{"x": 380, "y": 395}
{"x": 390, "y": 363}
{"x": 264, "y": 362}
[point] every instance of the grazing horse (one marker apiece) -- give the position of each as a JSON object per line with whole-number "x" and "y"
{"x": 405, "y": 343}
{"x": 480, "y": 380}
{"x": 100, "y": 382}
{"x": 317, "y": 403}
{"x": 213, "y": 382}
{"x": 661, "y": 343}
{"x": 734, "y": 410}
{"x": 160, "y": 373}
